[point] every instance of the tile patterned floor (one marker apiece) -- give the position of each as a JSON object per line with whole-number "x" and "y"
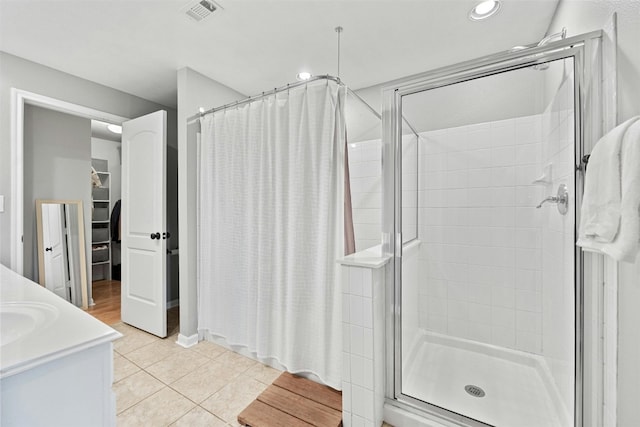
{"x": 158, "y": 383}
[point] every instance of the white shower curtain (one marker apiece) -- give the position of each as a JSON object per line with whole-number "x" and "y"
{"x": 270, "y": 227}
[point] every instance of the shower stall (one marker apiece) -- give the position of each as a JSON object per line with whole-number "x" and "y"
{"x": 479, "y": 197}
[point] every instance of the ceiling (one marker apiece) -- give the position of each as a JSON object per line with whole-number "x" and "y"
{"x": 253, "y": 45}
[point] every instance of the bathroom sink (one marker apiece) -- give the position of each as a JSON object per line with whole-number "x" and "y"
{"x": 20, "y": 319}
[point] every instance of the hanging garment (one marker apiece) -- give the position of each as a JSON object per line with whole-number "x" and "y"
{"x": 114, "y": 221}
{"x": 270, "y": 228}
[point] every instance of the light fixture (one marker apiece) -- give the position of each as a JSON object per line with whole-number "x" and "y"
{"x": 303, "y": 75}
{"x": 114, "y": 128}
{"x": 484, "y": 10}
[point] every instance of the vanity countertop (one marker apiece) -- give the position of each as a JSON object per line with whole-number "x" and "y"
{"x": 38, "y": 326}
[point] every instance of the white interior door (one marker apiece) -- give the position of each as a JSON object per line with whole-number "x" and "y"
{"x": 55, "y": 278}
{"x": 143, "y": 221}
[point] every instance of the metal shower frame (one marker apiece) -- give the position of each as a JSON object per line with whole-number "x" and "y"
{"x": 586, "y": 52}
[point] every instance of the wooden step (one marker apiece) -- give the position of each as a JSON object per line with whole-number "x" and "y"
{"x": 294, "y": 401}
{"x": 311, "y": 390}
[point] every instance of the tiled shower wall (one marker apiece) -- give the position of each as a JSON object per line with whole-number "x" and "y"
{"x": 366, "y": 192}
{"x": 481, "y": 257}
{"x": 558, "y": 238}
{"x": 365, "y": 167}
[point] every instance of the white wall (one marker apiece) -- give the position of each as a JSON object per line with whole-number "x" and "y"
{"x": 194, "y": 91}
{"x": 580, "y": 16}
{"x": 26, "y": 75}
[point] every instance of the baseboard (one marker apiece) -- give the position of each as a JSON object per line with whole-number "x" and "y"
{"x": 187, "y": 342}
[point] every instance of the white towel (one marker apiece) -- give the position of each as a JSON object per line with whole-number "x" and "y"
{"x": 610, "y": 220}
{"x": 627, "y": 242}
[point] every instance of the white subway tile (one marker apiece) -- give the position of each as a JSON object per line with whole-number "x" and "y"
{"x": 529, "y": 301}
{"x": 479, "y": 331}
{"x": 503, "y": 156}
{"x": 479, "y": 178}
{"x": 529, "y": 342}
{"x": 480, "y": 313}
{"x": 367, "y": 312}
{"x": 356, "y": 310}
{"x": 503, "y": 216}
{"x": 346, "y": 397}
{"x": 529, "y": 280}
{"x": 503, "y": 297}
{"x": 367, "y": 343}
{"x": 501, "y": 316}
{"x": 346, "y": 367}
{"x": 503, "y": 176}
{"x": 357, "y": 370}
{"x": 528, "y": 238}
{"x": 480, "y": 294}
{"x": 346, "y": 337}
{"x": 503, "y": 336}
{"x": 362, "y": 402}
{"x": 357, "y": 340}
{"x": 458, "y": 310}
{"x": 530, "y": 259}
{"x": 355, "y": 280}
{"x": 528, "y": 154}
{"x": 479, "y": 138}
{"x": 528, "y": 321}
{"x": 437, "y": 323}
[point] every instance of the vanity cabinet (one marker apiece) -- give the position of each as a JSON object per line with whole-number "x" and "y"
{"x": 56, "y": 367}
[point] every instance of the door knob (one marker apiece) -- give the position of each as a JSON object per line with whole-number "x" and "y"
{"x": 49, "y": 249}
{"x": 166, "y": 235}
{"x": 155, "y": 236}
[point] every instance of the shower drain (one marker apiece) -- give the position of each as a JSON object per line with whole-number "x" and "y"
{"x": 474, "y": 390}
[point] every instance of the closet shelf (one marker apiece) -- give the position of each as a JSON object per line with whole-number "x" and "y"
{"x": 100, "y": 201}
{"x": 101, "y": 262}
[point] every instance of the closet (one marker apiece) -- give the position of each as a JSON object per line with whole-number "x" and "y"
{"x": 105, "y": 192}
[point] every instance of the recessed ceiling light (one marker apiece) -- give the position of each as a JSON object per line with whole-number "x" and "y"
{"x": 304, "y": 75}
{"x": 484, "y": 10}
{"x": 115, "y": 128}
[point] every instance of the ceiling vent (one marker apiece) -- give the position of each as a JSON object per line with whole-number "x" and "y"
{"x": 200, "y": 10}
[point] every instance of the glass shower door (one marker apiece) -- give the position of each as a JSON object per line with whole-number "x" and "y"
{"x": 488, "y": 294}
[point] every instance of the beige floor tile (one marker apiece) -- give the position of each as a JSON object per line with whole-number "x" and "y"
{"x": 152, "y": 353}
{"x": 134, "y": 388}
{"x": 160, "y": 409}
{"x": 235, "y": 361}
{"x": 205, "y": 381}
{"x": 199, "y": 417}
{"x": 177, "y": 365}
{"x": 122, "y": 368}
{"x": 263, "y": 373}
{"x": 133, "y": 340}
{"x": 233, "y": 398}
{"x": 209, "y": 349}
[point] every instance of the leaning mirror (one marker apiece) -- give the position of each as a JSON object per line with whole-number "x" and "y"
{"x": 61, "y": 249}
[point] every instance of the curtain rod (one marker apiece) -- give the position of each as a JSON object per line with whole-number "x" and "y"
{"x": 263, "y": 94}
{"x": 289, "y": 86}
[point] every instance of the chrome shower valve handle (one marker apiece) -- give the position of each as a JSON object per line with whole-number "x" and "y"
{"x": 561, "y": 199}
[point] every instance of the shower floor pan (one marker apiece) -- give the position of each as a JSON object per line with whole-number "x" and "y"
{"x": 503, "y": 392}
